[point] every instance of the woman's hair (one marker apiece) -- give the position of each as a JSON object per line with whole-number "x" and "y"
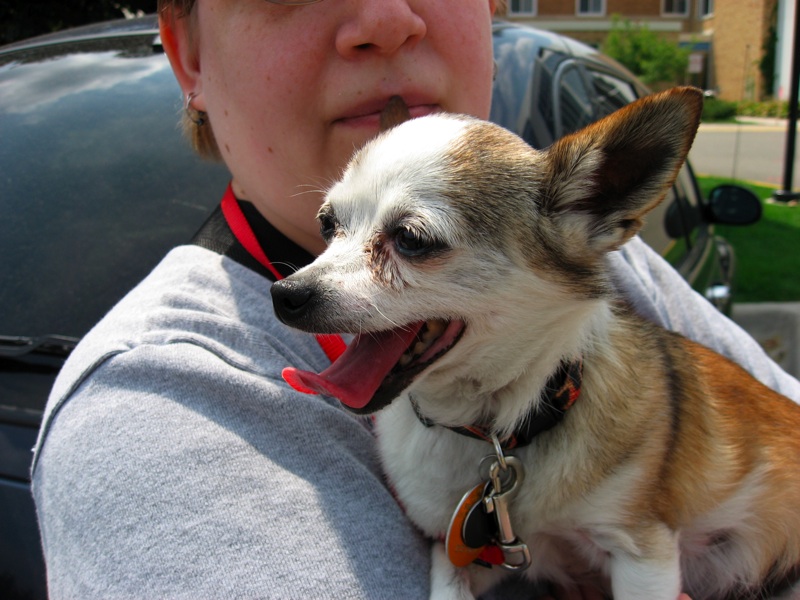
{"x": 196, "y": 126}
{"x": 181, "y": 7}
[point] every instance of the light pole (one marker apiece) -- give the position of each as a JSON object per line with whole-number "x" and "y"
{"x": 786, "y": 194}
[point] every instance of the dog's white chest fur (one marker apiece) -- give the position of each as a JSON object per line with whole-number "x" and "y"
{"x": 431, "y": 468}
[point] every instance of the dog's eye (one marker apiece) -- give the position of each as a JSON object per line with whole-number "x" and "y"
{"x": 411, "y": 243}
{"x": 327, "y": 226}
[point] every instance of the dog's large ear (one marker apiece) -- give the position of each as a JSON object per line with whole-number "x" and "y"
{"x": 606, "y": 177}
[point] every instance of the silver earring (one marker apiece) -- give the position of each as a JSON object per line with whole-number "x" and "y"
{"x": 198, "y": 117}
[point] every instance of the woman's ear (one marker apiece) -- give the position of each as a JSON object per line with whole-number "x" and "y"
{"x": 181, "y": 50}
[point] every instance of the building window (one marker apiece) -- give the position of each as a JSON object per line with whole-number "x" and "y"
{"x": 706, "y": 8}
{"x": 675, "y": 7}
{"x": 591, "y": 8}
{"x": 522, "y": 7}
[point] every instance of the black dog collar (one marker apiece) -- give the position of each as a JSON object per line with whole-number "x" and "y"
{"x": 561, "y": 392}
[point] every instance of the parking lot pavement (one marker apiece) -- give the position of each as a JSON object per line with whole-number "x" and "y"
{"x": 776, "y": 326}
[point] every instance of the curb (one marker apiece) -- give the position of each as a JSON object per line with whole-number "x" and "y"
{"x": 767, "y": 121}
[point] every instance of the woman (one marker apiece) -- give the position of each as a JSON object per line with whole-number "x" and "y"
{"x": 173, "y": 461}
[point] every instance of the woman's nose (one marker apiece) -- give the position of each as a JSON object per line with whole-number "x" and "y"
{"x": 382, "y": 26}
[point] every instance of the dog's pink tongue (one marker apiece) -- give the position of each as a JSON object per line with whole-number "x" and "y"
{"x": 358, "y": 373}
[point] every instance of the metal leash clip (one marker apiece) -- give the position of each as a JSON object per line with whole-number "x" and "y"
{"x": 506, "y": 474}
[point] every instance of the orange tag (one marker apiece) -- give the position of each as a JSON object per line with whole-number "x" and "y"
{"x": 458, "y": 551}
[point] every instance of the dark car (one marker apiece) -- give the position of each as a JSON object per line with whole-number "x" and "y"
{"x": 96, "y": 184}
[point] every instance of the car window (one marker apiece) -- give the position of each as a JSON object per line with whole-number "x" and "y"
{"x": 522, "y": 99}
{"x": 546, "y": 100}
{"x": 574, "y": 108}
{"x": 610, "y": 93}
{"x": 682, "y": 219}
{"x": 687, "y": 198}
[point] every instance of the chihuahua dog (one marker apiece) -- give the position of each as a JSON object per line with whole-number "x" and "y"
{"x": 528, "y": 418}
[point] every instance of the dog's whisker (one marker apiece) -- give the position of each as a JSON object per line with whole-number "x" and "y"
{"x": 374, "y": 306}
{"x": 294, "y": 268}
{"x": 321, "y": 186}
{"x": 391, "y": 322}
{"x": 317, "y": 191}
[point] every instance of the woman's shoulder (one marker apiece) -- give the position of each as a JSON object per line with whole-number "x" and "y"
{"x": 197, "y": 297}
{"x": 171, "y": 445}
{"x": 196, "y": 313}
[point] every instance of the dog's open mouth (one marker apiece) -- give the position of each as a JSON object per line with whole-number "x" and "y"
{"x": 377, "y": 367}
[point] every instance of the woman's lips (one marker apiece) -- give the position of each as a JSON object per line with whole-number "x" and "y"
{"x": 369, "y": 116}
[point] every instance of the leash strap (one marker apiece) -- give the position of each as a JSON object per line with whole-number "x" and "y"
{"x": 332, "y": 345}
{"x": 243, "y": 232}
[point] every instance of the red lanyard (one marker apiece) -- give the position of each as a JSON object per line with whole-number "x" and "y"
{"x": 333, "y": 345}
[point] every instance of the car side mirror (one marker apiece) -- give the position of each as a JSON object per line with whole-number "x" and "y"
{"x": 733, "y": 205}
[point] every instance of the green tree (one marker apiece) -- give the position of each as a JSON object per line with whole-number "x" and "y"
{"x": 649, "y": 56}
{"x": 20, "y": 19}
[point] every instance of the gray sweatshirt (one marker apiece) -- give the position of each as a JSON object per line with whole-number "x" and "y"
{"x": 174, "y": 462}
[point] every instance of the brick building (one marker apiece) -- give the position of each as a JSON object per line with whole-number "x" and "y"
{"x": 740, "y": 32}
{"x": 727, "y": 37}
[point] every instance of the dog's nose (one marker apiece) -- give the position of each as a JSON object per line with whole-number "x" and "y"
{"x": 291, "y": 299}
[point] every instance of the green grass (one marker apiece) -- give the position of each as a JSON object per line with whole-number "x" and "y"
{"x": 767, "y": 253}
